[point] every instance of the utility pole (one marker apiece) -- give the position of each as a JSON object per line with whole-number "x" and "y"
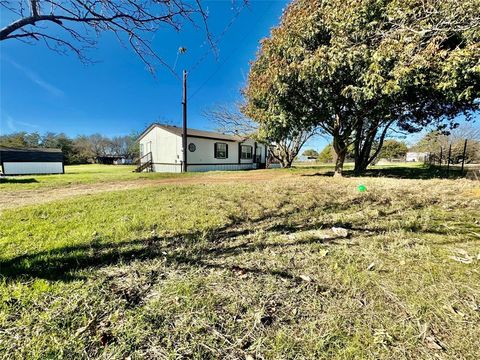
{"x": 448, "y": 160}
{"x": 464, "y": 153}
{"x": 184, "y": 130}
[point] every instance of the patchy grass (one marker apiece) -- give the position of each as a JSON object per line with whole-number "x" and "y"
{"x": 97, "y": 174}
{"x": 227, "y": 271}
{"x": 80, "y": 174}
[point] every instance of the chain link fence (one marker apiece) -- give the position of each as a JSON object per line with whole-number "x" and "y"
{"x": 456, "y": 163}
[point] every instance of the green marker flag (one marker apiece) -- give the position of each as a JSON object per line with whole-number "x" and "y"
{"x": 362, "y": 188}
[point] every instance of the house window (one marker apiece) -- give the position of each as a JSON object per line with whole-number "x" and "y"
{"x": 246, "y": 152}
{"x": 221, "y": 151}
{"x": 141, "y": 150}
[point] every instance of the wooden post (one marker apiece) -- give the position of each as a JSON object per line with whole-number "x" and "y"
{"x": 184, "y": 130}
{"x": 448, "y": 159}
{"x": 464, "y": 152}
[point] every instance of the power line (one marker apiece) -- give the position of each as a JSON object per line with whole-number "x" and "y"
{"x": 219, "y": 66}
{"x": 219, "y": 38}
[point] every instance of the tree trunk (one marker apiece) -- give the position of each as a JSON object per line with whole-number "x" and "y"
{"x": 360, "y": 166}
{"x": 340, "y": 147}
{"x": 363, "y": 153}
{"x": 362, "y": 158}
{"x": 339, "y": 162}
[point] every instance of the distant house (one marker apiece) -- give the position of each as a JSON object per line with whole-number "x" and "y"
{"x": 16, "y": 161}
{"x": 303, "y": 158}
{"x": 416, "y": 156}
{"x": 161, "y": 150}
{"x": 113, "y": 160}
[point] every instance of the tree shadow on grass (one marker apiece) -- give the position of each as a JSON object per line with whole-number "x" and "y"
{"x": 64, "y": 264}
{"x": 9, "y": 180}
{"x": 400, "y": 172}
{"x": 195, "y": 248}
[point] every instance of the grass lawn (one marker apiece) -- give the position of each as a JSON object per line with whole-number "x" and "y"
{"x": 245, "y": 270}
{"x": 80, "y": 174}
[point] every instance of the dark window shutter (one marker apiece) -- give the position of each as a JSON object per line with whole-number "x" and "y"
{"x": 215, "y": 150}
{"x": 226, "y": 151}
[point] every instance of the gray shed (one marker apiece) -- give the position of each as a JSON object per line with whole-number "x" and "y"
{"x": 16, "y": 161}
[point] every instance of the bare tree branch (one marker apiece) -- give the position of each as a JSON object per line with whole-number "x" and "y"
{"x": 131, "y": 21}
{"x": 229, "y": 120}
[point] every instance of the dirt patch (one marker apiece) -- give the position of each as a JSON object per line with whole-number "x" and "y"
{"x": 13, "y": 199}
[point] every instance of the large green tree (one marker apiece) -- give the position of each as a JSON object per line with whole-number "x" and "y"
{"x": 310, "y": 153}
{"x": 355, "y": 69}
{"x": 393, "y": 149}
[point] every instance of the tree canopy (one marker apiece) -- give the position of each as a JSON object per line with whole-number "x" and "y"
{"x": 285, "y": 144}
{"x": 393, "y": 149}
{"x": 79, "y": 150}
{"x": 310, "y": 153}
{"x": 355, "y": 69}
{"x": 327, "y": 154}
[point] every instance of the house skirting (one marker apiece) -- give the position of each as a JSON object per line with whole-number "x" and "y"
{"x": 176, "y": 168}
{"x": 220, "y": 167}
{"x": 169, "y": 168}
{"x": 29, "y": 168}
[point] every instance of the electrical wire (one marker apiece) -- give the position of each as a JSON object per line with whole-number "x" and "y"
{"x": 219, "y": 66}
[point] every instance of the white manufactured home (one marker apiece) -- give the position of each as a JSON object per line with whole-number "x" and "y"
{"x": 161, "y": 150}
{"x": 15, "y": 161}
{"x": 416, "y": 156}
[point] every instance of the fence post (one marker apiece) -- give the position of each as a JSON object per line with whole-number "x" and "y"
{"x": 448, "y": 160}
{"x": 464, "y": 152}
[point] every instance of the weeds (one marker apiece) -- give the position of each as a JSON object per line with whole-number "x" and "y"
{"x": 232, "y": 271}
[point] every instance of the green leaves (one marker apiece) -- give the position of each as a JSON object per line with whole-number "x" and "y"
{"x": 337, "y": 64}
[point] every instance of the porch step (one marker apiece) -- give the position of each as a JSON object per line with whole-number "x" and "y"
{"x": 145, "y": 166}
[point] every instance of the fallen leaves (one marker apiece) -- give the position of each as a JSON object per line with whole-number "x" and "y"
{"x": 324, "y": 252}
{"x": 462, "y": 256}
{"x": 340, "y": 232}
{"x": 89, "y": 325}
{"x": 306, "y": 278}
{"x": 433, "y": 343}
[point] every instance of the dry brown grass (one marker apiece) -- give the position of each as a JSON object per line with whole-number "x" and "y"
{"x": 247, "y": 269}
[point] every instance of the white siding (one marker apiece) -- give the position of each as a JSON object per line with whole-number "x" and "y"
{"x": 416, "y": 156}
{"x": 164, "y": 146}
{"x": 174, "y": 168}
{"x": 220, "y": 167}
{"x": 29, "y": 168}
{"x": 274, "y": 166}
{"x": 166, "y": 149}
{"x": 204, "y": 153}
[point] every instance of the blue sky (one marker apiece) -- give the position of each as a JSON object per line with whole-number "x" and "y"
{"x": 41, "y": 90}
{"x": 44, "y": 91}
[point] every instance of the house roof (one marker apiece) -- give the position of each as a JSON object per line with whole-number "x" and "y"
{"x": 193, "y": 133}
{"x": 30, "y": 155}
{"x": 47, "y": 150}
